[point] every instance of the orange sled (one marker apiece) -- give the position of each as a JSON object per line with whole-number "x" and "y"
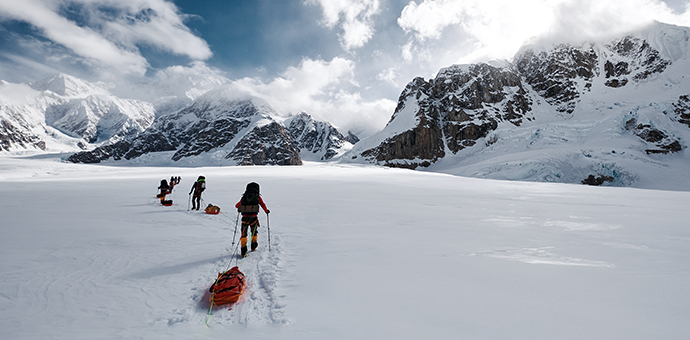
{"x": 212, "y": 209}
{"x": 228, "y": 287}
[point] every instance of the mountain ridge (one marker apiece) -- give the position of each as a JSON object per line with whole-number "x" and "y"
{"x": 222, "y": 127}
{"x": 63, "y": 113}
{"x": 608, "y": 109}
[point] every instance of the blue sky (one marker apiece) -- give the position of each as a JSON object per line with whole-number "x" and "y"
{"x": 345, "y": 61}
{"x": 247, "y": 36}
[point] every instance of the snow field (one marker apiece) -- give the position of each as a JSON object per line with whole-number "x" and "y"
{"x": 356, "y": 252}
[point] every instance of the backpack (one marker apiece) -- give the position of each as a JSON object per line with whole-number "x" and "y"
{"x": 250, "y": 199}
{"x": 199, "y": 186}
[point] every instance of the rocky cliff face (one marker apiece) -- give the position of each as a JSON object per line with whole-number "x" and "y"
{"x": 267, "y": 144}
{"x": 318, "y": 140}
{"x": 13, "y": 137}
{"x": 451, "y": 112}
{"x": 566, "y": 100}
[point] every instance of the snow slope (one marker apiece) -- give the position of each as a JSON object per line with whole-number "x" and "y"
{"x": 357, "y": 252}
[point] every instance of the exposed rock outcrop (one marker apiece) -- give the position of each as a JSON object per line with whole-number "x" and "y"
{"x": 439, "y": 118}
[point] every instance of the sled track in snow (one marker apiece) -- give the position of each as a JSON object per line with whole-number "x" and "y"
{"x": 260, "y": 303}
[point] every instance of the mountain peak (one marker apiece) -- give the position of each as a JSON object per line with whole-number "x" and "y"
{"x": 671, "y": 41}
{"x": 227, "y": 101}
{"x": 68, "y": 86}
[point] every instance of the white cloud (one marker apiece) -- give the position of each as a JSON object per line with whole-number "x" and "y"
{"x": 389, "y": 75}
{"x": 499, "y": 27}
{"x": 316, "y": 86}
{"x": 298, "y": 87}
{"x": 184, "y": 82}
{"x": 354, "y": 16}
{"x": 112, "y": 29}
{"x": 155, "y": 22}
{"x": 428, "y": 19}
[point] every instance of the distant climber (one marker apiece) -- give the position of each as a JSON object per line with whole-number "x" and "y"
{"x": 165, "y": 190}
{"x": 249, "y": 207}
{"x": 197, "y": 188}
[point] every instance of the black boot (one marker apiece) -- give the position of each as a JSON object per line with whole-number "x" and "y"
{"x": 254, "y": 245}
{"x": 244, "y": 251}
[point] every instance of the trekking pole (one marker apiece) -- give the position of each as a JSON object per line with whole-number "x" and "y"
{"x": 235, "y": 233}
{"x": 268, "y": 224}
{"x": 189, "y": 202}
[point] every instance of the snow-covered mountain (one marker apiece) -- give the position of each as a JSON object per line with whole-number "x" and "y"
{"x": 317, "y": 140}
{"x": 615, "y": 110}
{"x": 223, "y": 127}
{"x": 65, "y": 113}
{"x": 202, "y": 124}
{"x": 173, "y": 88}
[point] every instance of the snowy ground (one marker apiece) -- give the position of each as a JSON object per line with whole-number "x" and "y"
{"x": 357, "y": 252}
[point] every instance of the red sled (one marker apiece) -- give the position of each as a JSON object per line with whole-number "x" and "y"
{"x": 166, "y": 203}
{"x": 228, "y": 288}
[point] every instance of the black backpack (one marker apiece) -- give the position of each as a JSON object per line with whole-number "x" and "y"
{"x": 250, "y": 199}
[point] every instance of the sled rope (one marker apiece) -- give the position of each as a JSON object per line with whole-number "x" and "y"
{"x": 233, "y": 256}
{"x": 208, "y": 317}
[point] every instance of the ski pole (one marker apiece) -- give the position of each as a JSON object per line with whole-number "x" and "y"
{"x": 268, "y": 224}
{"x": 189, "y": 202}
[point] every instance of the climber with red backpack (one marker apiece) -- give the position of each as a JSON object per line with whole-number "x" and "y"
{"x": 248, "y": 206}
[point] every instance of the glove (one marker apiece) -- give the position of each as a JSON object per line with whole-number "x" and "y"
{"x": 268, "y": 212}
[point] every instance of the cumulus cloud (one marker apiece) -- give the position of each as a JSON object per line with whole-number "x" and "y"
{"x": 109, "y": 30}
{"x": 354, "y": 16}
{"x": 317, "y": 87}
{"x": 499, "y": 27}
{"x": 298, "y": 86}
{"x": 428, "y": 19}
